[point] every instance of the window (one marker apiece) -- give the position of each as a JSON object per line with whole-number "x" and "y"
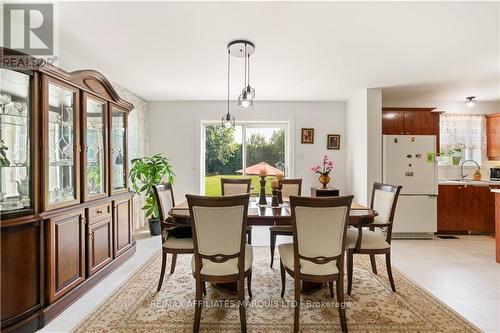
{"x": 237, "y": 153}
{"x": 462, "y": 137}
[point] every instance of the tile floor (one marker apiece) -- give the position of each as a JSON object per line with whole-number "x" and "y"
{"x": 460, "y": 272}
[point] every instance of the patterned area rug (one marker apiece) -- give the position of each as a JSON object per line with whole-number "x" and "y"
{"x": 373, "y": 307}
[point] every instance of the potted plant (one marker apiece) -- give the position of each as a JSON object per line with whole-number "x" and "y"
{"x": 146, "y": 173}
{"x": 324, "y": 171}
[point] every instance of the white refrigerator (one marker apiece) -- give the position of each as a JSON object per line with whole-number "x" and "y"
{"x": 409, "y": 160}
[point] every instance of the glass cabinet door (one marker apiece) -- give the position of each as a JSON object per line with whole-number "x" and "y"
{"x": 15, "y": 161}
{"x": 94, "y": 147}
{"x": 63, "y": 148}
{"x": 118, "y": 149}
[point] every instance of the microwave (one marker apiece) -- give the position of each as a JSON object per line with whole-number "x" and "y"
{"x": 495, "y": 173}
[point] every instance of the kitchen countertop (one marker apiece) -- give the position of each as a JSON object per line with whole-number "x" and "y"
{"x": 495, "y": 190}
{"x": 485, "y": 182}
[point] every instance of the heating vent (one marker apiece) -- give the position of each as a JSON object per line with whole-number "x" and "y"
{"x": 412, "y": 235}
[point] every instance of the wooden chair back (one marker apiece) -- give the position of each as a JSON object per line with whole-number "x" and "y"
{"x": 219, "y": 228}
{"x": 291, "y": 187}
{"x": 384, "y": 202}
{"x": 230, "y": 186}
{"x": 319, "y": 229}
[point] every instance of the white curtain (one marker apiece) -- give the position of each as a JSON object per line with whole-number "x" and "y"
{"x": 466, "y": 131}
{"x": 138, "y": 141}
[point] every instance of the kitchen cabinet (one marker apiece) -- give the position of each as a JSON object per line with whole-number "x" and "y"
{"x": 466, "y": 209}
{"x": 493, "y": 136}
{"x": 411, "y": 121}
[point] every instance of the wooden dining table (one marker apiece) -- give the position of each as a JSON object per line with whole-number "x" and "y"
{"x": 260, "y": 215}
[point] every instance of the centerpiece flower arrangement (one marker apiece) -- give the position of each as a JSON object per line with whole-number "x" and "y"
{"x": 324, "y": 170}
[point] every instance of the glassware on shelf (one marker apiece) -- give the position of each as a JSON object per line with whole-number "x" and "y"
{"x": 95, "y": 138}
{"x": 15, "y": 171}
{"x": 118, "y": 149}
{"x": 62, "y": 172}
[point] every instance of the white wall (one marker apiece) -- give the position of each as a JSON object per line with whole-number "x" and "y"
{"x": 364, "y": 142}
{"x": 174, "y": 129}
{"x": 450, "y": 107}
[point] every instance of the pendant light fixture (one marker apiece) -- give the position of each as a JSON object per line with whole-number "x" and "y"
{"x": 228, "y": 120}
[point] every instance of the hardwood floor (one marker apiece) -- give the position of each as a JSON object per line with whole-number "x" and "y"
{"x": 444, "y": 267}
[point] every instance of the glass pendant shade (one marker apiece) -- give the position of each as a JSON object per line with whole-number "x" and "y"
{"x": 228, "y": 120}
{"x": 245, "y": 99}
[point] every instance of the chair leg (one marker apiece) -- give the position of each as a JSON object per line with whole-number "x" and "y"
{"x": 296, "y": 312}
{"x": 249, "y": 284}
{"x": 330, "y": 285}
{"x": 249, "y": 236}
{"x": 273, "y": 245}
{"x": 163, "y": 266}
{"x": 350, "y": 255}
{"x": 374, "y": 264}
{"x": 174, "y": 260}
{"x": 282, "y": 270}
{"x": 340, "y": 300}
{"x": 198, "y": 305}
{"x": 241, "y": 297}
{"x": 389, "y": 270}
{"x": 204, "y": 288}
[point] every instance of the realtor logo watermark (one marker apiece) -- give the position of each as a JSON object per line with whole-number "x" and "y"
{"x": 28, "y": 28}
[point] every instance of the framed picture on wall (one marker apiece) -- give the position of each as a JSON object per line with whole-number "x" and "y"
{"x": 333, "y": 141}
{"x": 307, "y": 135}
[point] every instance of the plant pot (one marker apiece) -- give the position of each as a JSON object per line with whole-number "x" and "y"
{"x": 456, "y": 160}
{"x": 154, "y": 226}
{"x": 324, "y": 179}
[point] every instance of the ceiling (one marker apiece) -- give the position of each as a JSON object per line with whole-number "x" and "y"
{"x": 304, "y": 51}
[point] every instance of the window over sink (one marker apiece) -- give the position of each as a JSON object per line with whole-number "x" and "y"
{"x": 462, "y": 137}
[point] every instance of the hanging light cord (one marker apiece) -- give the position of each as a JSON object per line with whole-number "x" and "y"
{"x": 228, "y": 76}
{"x": 245, "y": 83}
{"x": 248, "y": 70}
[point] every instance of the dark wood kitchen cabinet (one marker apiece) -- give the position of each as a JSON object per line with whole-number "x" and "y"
{"x": 466, "y": 209}
{"x": 410, "y": 121}
{"x": 59, "y": 234}
{"x": 493, "y": 136}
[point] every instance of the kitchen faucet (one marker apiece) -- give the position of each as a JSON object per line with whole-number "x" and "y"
{"x": 462, "y": 176}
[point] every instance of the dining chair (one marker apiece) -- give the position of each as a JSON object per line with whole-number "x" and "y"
{"x": 377, "y": 238}
{"x": 221, "y": 254}
{"x": 291, "y": 187}
{"x": 319, "y": 227}
{"x": 235, "y": 186}
{"x": 164, "y": 196}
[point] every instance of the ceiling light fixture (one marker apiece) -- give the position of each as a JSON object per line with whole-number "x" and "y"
{"x": 244, "y": 48}
{"x": 228, "y": 120}
{"x": 470, "y": 101}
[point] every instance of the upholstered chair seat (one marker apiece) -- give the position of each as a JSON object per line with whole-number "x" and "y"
{"x": 306, "y": 267}
{"x": 228, "y": 267}
{"x": 178, "y": 243}
{"x": 375, "y": 240}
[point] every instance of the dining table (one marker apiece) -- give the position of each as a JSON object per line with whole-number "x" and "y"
{"x": 266, "y": 215}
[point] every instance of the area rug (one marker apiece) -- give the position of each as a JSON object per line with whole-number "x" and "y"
{"x": 136, "y": 306}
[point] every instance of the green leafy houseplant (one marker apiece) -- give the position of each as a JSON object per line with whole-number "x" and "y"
{"x": 146, "y": 173}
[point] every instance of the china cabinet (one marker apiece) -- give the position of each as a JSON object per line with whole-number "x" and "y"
{"x": 65, "y": 206}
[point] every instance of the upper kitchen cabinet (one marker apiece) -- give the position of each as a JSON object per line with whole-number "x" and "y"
{"x": 411, "y": 121}
{"x": 118, "y": 142}
{"x": 16, "y": 140}
{"x": 61, "y": 146}
{"x": 493, "y": 136}
{"x": 94, "y": 147}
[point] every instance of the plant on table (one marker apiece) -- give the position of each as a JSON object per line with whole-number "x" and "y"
{"x": 324, "y": 170}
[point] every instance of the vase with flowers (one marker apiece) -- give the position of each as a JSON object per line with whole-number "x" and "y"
{"x": 324, "y": 171}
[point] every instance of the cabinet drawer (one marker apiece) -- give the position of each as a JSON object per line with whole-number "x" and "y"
{"x": 98, "y": 213}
